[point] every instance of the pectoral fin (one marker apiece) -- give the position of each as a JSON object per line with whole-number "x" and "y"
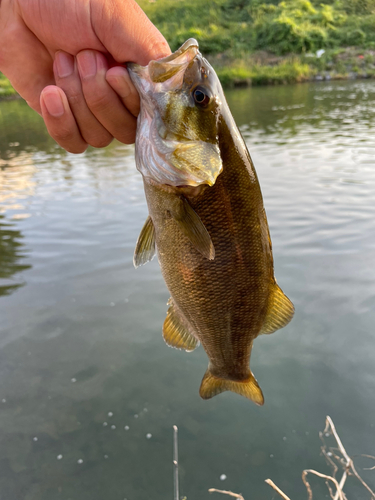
{"x": 175, "y": 333}
{"x": 193, "y": 228}
{"x": 145, "y": 247}
{"x": 280, "y": 311}
{"x": 249, "y": 388}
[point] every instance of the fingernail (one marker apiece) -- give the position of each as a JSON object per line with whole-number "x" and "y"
{"x": 64, "y": 64}
{"x": 122, "y": 79}
{"x": 54, "y": 104}
{"x": 86, "y": 64}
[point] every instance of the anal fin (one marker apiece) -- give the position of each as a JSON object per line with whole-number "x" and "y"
{"x": 175, "y": 333}
{"x": 249, "y": 388}
{"x": 145, "y": 247}
{"x": 280, "y": 311}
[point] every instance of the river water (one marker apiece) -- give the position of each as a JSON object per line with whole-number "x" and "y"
{"x": 88, "y": 389}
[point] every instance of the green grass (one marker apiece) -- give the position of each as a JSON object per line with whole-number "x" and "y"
{"x": 269, "y": 42}
{"x": 244, "y": 26}
{"x": 287, "y": 71}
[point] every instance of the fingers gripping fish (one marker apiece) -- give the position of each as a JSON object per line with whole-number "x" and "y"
{"x": 206, "y": 220}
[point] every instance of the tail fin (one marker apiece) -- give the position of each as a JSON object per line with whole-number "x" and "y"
{"x": 211, "y": 386}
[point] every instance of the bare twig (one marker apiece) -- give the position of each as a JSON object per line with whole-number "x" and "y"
{"x": 230, "y": 493}
{"x": 331, "y": 454}
{"x": 349, "y": 465}
{"x": 276, "y": 488}
{"x": 329, "y": 478}
{"x": 175, "y": 463}
{"x": 369, "y": 456}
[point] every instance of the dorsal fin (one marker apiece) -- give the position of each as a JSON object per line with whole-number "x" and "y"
{"x": 175, "y": 333}
{"x": 193, "y": 228}
{"x": 249, "y": 388}
{"x": 145, "y": 247}
{"x": 280, "y": 310}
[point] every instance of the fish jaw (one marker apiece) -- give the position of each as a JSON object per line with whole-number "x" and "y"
{"x": 164, "y": 74}
{"x": 171, "y": 146}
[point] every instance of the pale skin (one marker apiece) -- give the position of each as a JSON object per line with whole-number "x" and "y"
{"x": 65, "y": 58}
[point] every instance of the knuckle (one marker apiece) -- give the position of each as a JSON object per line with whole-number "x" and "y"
{"x": 97, "y": 101}
{"x": 74, "y": 97}
{"x": 63, "y": 135}
{"x": 99, "y": 142}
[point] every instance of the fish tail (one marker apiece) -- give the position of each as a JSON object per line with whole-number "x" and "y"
{"x": 212, "y": 385}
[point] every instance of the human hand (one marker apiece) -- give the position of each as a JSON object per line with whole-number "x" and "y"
{"x": 63, "y": 56}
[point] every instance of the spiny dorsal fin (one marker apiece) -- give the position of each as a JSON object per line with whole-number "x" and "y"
{"x": 211, "y": 386}
{"x": 193, "y": 228}
{"x": 280, "y": 310}
{"x": 145, "y": 247}
{"x": 175, "y": 332}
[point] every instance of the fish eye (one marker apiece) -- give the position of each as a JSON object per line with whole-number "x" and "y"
{"x": 201, "y": 98}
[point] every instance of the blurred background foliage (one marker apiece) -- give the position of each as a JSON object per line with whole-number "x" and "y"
{"x": 293, "y": 26}
{"x": 266, "y": 41}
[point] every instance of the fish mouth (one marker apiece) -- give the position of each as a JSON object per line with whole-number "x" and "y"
{"x": 170, "y": 68}
{"x": 166, "y": 152}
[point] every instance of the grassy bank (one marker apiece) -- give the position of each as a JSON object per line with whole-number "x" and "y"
{"x": 264, "y": 68}
{"x": 268, "y": 42}
{"x": 257, "y": 42}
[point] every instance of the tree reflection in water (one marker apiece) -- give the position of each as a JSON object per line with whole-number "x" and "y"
{"x": 12, "y": 254}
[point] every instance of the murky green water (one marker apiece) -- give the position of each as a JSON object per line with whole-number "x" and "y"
{"x": 81, "y": 352}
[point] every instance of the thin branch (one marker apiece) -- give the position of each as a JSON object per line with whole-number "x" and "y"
{"x": 175, "y": 463}
{"x": 368, "y": 456}
{"x": 276, "y": 488}
{"x": 339, "y": 455}
{"x": 349, "y": 462}
{"x": 230, "y": 493}
{"x": 329, "y": 478}
{"x": 307, "y": 484}
{"x": 330, "y": 490}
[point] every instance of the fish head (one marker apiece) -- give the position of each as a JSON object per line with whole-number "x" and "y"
{"x": 177, "y": 139}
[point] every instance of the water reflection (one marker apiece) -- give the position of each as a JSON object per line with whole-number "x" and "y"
{"x": 21, "y": 130}
{"x": 84, "y": 372}
{"x": 12, "y": 255}
{"x": 16, "y": 184}
{"x": 314, "y": 107}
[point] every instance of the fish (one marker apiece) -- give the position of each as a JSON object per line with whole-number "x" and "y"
{"x": 207, "y": 222}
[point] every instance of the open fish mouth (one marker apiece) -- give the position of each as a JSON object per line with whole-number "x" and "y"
{"x": 170, "y": 68}
{"x": 177, "y": 139}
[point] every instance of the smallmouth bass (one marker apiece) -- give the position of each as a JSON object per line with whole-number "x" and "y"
{"x": 206, "y": 220}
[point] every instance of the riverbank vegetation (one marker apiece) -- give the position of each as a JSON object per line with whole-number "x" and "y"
{"x": 265, "y": 41}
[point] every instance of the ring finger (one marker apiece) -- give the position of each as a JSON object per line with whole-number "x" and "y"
{"x": 102, "y": 100}
{"x": 67, "y": 78}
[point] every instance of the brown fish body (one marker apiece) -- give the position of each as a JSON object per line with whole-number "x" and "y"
{"x": 223, "y": 300}
{"x": 214, "y": 249}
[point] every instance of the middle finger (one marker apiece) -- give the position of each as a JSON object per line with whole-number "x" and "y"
{"x": 102, "y": 100}
{"x": 67, "y": 78}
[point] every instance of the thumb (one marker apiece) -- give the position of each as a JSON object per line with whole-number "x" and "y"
{"x": 126, "y": 32}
